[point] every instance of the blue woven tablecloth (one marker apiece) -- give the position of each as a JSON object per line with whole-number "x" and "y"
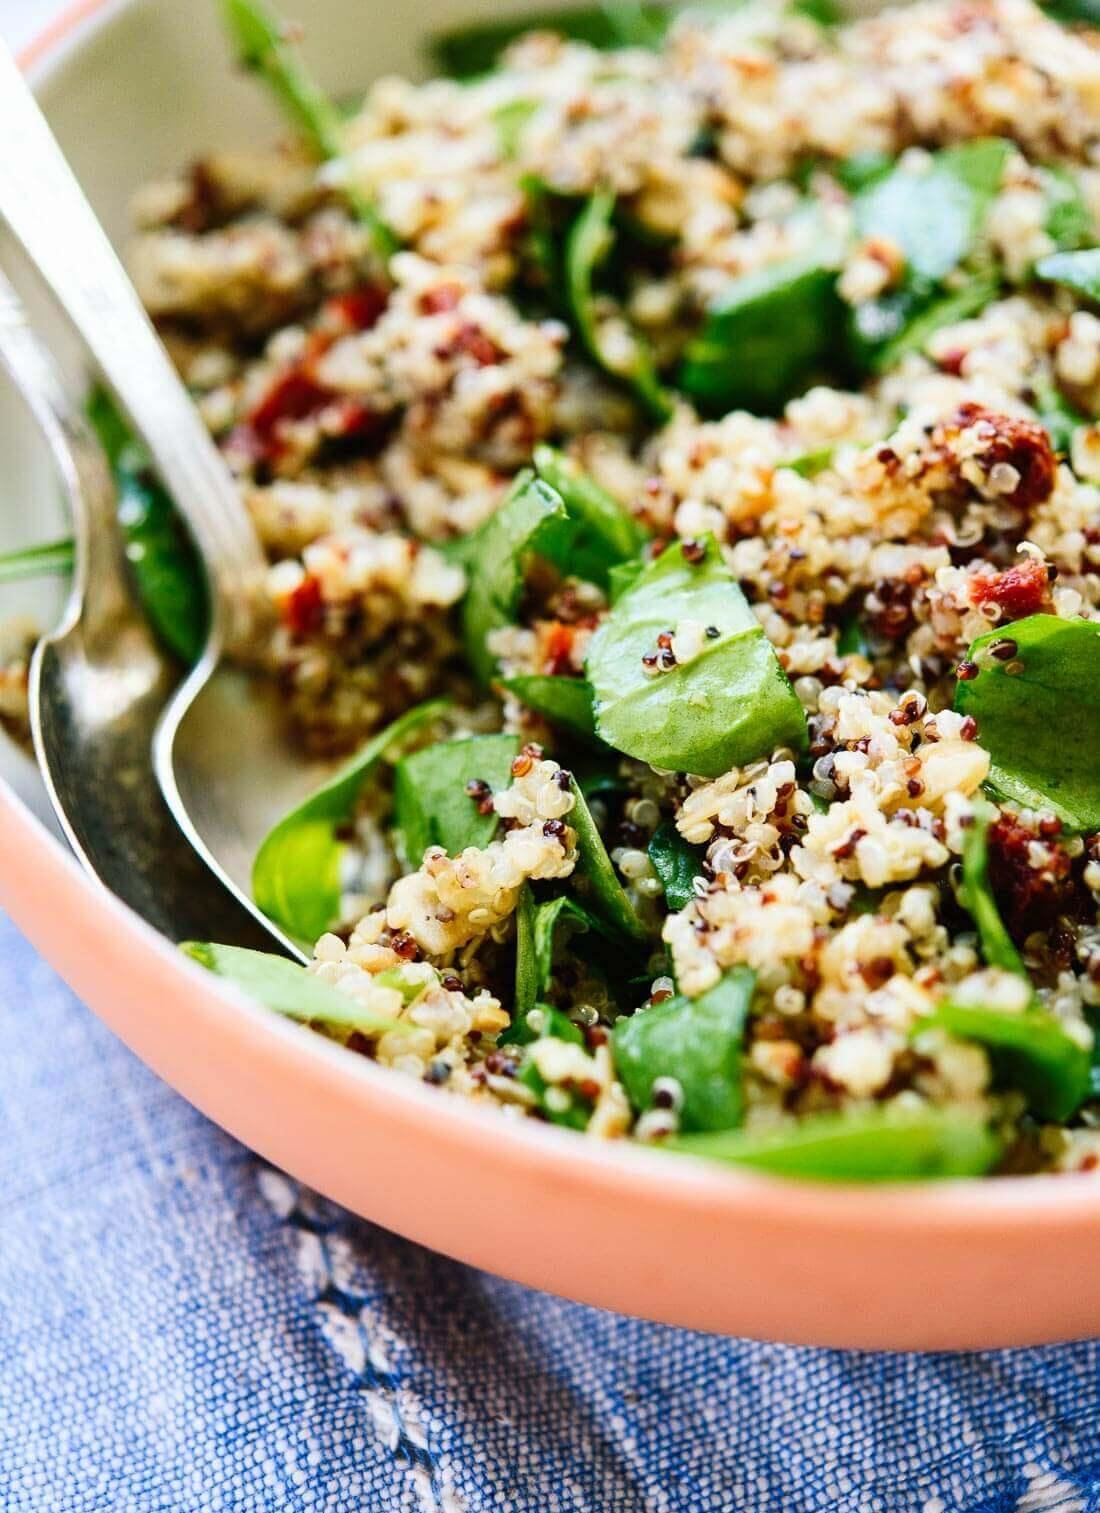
{"x": 182, "y": 1328}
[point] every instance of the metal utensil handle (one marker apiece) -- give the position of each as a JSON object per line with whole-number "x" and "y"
{"x": 45, "y": 209}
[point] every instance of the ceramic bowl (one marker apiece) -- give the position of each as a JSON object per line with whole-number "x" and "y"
{"x": 136, "y": 88}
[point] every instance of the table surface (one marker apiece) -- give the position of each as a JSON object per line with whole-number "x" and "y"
{"x": 183, "y": 1328}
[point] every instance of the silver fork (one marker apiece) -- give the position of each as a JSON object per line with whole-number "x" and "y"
{"x": 220, "y": 754}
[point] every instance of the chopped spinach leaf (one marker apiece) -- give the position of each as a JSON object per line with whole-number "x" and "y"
{"x": 866, "y": 1145}
{"x": 596, "y": 878}
{"x": 37, "y": 562}
{"x": 532, "y": 519}
{"x": 764, "y": 337}
{"x": 432, "y": 801}
{"x": 562, "y": 701}
{"x": 998, "y": 947}
{"x": 588, "y": 247}
{"x": 728, "y": 705}
{"x": 1079, "y": 271}
{"x": 677, "y": 863}
{"x": 1038, "y": 715}
{"x": 160, "y": 555}
{"x": 265, "y": 45}
{"x": 296, "y": 877}
{"x": 696, "y": 1042}
{"x": 1031, "y": 1051}
{"x": 290, "y": 990}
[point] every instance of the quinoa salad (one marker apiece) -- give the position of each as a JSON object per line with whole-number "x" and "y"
{"x": 674, "y": 440}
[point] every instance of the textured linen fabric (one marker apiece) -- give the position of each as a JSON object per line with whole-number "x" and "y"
{"x": 183, "y": 1328}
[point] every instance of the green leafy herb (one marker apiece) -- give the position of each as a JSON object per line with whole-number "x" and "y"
{"x": 588, "y": 247}
{"x": 1031, "y": 1051}
{"x": 599, "y": 512}
{"x": 562, "y": 701}
{"x": 863, "y": 169}
{"x": 266, "y": 46}
{"x": 533, "y": 518}
{"x": 1038, "y": 715}
{"x": 695, "y": 1041}
{"x": 1074, "y": 12}
{"x": 296, "y": 874}
{"x": 884, "y": 331}
{"x": 161, "y": 557}
{"x": 936, "y": 216}
{"x": 467, "y": 51}
{"x": 730, "y": 704}
{"x": 1056, "y": 413}
{"x": 677, "y": 863}
{"x": 432, "y": 805}
{"x": 37, "y": 562}
{"x": 852, "y": 640}
{"x": 1069, "y": 222}
{"x": 290, "y": 990}
{"x": 998, "y": 947}
{"x": 868, "y": 1145}
{"x": 622, "y": 576}
{"x": 596, "y": 877}
{"x": 541, "y": 928}
{"x": 1079, "y": 271}
{"x": 764, "y": 338}
{"x": 810, "y": 464}
{"x": 509, "y": 120}
{"x": 565, "y": 1106}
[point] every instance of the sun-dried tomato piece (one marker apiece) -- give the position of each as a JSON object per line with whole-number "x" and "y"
{"x": 1019, "y": 590}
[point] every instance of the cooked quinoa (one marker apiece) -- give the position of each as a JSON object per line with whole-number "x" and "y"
{"x": 871, "y": 448}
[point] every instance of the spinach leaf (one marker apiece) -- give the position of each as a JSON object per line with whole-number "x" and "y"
{"x": 541, "y": 928}
{"x": 598, "y": 512}
{"x": 432, "y": 805}
{"x": 621, "y": 576}
{"x": 697, "y": 1042}
{"x": 852, "y": 640}
{"x": 998, "y": 947}
{"x": 1038, "y": 715}
{"x": 810, "y": 464}
{"x": 561, "y": 1105}
{"x": 730, "y": 704}
{"x": 1079, "y": 271}
{"x": 882, "y": 332}
{"x": 1056, "y": 413}
{"x": 265, "y": 45}
{"x": 866, "y": 1145}
{"x": 37, "y": 562}
{"x": 1069, "y": 222}
{"x": 509, "y": 120}
{"x": 531, "y": 519}
{"x": 677, "y": 863}
{"x": 763, "y": 338}
{"x": 596, "y": 878}
{"x": 936, "y": 216}
{"x": 289, "y": 989}
{"x": 588, "y": 247}
{"x": 863, "y": 169}
{"x": 1074, "y": 12}
{"x": 563, "y": 701}
{"x": 296, "y": 874}
{"x": 160, "y": 555}
{"x": 466, "y": 51}
{"x": 1031, "y": 1051}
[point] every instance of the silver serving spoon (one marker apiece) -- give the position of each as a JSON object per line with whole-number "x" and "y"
{"x": 224, "y": 765}
{"x": 99, "y": 683}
